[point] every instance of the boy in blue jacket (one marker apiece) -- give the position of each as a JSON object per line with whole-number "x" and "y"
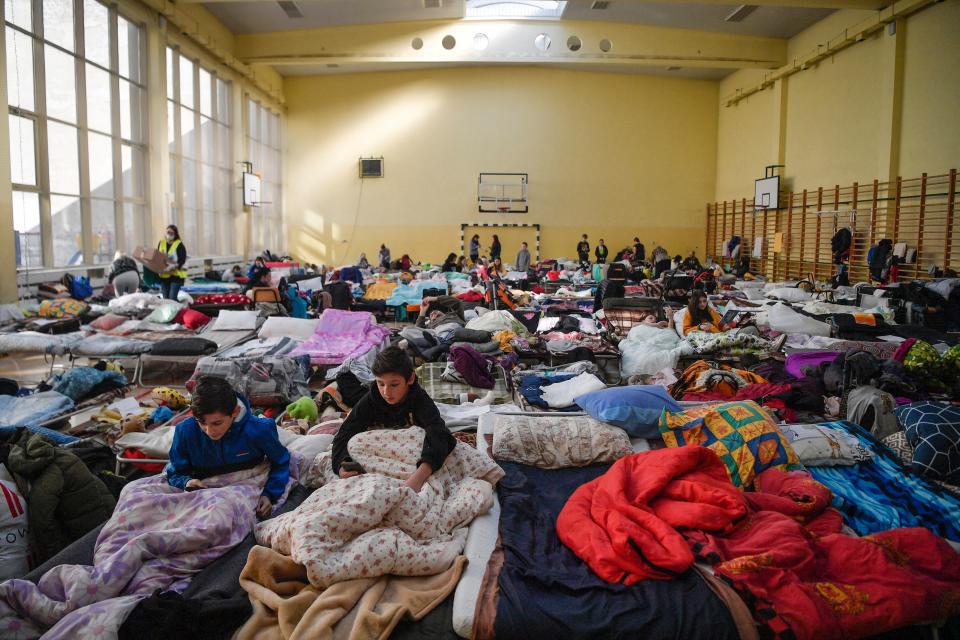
{"x": 224, "y": 436}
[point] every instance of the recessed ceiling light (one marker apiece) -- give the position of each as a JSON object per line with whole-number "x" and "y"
{"x": 674, "y": 68}
{"x": 290, "y": 8}
{"x": 740, "y": 13}
{"x": 515, "y": 9}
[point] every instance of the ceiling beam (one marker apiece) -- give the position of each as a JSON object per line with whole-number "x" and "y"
{"x": 513, "y": 42}
{"x": 804, "y": 4}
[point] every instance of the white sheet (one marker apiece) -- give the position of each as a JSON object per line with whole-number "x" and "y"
{"x": 481, "y": 539}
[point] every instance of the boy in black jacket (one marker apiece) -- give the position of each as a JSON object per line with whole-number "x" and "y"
{"x": 397, "y": 402}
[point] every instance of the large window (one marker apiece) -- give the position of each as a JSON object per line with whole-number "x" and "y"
{"x": 199, "y": 138}
{"x": 263, "y": 143}
{"x": 75, "y": 74}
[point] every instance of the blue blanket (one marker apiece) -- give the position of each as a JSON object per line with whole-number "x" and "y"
{"x": 881, "y": 494}
{"x": 33, "y": 409}
{"x": 412, "y": 293}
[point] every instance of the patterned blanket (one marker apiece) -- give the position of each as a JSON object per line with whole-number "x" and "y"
{"x": 731, "y": 343}
{"x": 372, "y": 525}
{"x": 157, "y": 538}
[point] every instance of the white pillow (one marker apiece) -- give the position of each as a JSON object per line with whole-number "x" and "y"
{"x": 819, "y": 446}
{"x": 790, "y": 294}
{"x": 311, "y": 446}
{"x": 561, "y": 394}
{"x": 280, "y": 327}
{"x": 678, "y": 317}
{"x": 236, "y": 321}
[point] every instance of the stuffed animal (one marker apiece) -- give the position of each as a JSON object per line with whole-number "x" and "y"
{"x": 167, "y": 397}
{"x": 303, "y": 409}
{"x": 132, "y": 423}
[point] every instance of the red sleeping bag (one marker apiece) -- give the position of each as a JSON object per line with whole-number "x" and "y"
{"x": 780, "y": 546}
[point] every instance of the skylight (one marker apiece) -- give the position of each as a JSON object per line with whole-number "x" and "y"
{"x": 507, "y": 9}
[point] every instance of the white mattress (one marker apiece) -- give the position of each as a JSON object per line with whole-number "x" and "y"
{"x": 482, "y": 538}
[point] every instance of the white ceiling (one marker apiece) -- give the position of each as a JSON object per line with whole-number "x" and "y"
{"x": 262, "y": 16}
{"x": 766, "y": 21}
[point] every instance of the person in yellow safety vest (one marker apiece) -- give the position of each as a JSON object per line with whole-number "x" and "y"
{"x": 173, "y": 278}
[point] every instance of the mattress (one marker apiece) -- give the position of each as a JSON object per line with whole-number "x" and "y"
{"x": 481, "y": 540}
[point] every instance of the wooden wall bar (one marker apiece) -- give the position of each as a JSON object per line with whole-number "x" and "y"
{"x": 920, "y": 212}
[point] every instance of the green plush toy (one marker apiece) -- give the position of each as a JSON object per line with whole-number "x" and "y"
{"x": 303, "y": 409}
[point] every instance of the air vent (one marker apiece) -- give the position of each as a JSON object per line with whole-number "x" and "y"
{"x": 740, "y": 13}
{"x": 600, "y": 5}
{"x": 432, "y": 4}
{"x": 674, "y": 68}
{"x": 290, "y": 8}
{"x": 333, "y": 66}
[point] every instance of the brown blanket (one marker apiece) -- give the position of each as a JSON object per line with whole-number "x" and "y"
{"x": 287, "y": 607}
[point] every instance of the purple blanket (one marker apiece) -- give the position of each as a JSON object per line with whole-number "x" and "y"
{"x": 342, "y": 335}
{"x": 159, "y": 537}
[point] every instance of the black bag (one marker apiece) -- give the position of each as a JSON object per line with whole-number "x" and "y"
{"x": 339, "y": 295}
{"x": 608, "y": 289}
{"x": 66, "y": 325}
{"x": 184, "y": 347}
{"x": 617, "y": 271}
{"x": 840, "y": 245}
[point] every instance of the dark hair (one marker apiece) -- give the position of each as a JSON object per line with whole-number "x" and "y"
{"x": 393, "y": 360}
{"x": 698, "y": 316}
{"x": 452, "y": 257}
{"x": 678, "y": 257}
{"x": 475, "y": 237}
{"x": 495, "y": 237}
{"x": 176, "y": 232}
{"x": 636, "y": 239}
{"x": 212, "y": 395}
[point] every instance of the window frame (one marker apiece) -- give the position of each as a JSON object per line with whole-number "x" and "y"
{"x": 41, "y": 119}
{"x": 221, "y": 204}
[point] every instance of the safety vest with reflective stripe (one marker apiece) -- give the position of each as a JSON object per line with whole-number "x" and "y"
{"x": 171, "y": 251}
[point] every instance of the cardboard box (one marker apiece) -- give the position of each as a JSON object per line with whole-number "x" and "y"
{"x": 151, "y": 258}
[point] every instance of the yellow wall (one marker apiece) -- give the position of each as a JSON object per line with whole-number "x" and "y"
{"x": 612, "y": 155}
{"x": 931, "y": 92}
{"x": 746, "y": 136}
{"x": 841, "y": 122}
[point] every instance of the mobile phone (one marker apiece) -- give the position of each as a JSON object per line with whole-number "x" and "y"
{"x": 351, "y": 465}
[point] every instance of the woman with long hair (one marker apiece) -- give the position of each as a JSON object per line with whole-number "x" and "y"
{"x": 700, "y": 315}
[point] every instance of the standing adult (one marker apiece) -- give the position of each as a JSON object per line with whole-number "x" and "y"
{"x": 174, "y": 275}
{"x": 475, "y": 249}
{"x": 583, "y": 250}
{"x": 495, "y": 248}
{"x": 363, "y": 263}
{"x": 639, "y": 251}
{"x": 660, "y": 259}
{"x": 124, "y": 275}
{"x": 384, "y": 257}
{"x": 601, "y": 252}
{"x": 523, "y": 258}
